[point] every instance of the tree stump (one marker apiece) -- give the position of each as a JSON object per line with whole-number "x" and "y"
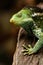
{"x": 19, "y": 58}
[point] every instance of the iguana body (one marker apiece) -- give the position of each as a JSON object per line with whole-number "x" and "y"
{"x": 31, "y": 19}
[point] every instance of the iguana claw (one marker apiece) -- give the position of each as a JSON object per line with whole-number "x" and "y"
{"x": 28, "y": 50}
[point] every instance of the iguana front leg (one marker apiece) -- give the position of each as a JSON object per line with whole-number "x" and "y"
{"x": 30, "y": 50}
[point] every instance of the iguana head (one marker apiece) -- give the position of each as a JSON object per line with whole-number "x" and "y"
{"x": 25, "y": 17}
{"x": 22, "y": 16}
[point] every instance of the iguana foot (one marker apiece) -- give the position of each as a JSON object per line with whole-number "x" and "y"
{"x": 28, "y": 50}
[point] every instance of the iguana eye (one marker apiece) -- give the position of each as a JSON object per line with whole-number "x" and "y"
{"x": 19, "y": 15}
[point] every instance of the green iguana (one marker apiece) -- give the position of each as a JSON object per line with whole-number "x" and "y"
{"x": 31, "y": 19}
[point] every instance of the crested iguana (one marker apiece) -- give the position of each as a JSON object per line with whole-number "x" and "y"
{"x": 31, "y": 19}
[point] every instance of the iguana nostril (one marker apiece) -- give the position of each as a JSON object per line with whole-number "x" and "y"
{"x": 11, "y": 20}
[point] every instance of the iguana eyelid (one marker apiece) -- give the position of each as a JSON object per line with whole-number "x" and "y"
{"x": 19, "y": 15}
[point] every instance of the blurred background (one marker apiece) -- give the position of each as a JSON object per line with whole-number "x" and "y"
{"x": 8, "y": 31}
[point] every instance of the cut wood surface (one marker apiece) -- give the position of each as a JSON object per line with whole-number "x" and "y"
{"x": 19, "y": 58}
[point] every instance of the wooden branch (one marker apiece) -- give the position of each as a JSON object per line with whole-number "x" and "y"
{"x": 19, "y": 58}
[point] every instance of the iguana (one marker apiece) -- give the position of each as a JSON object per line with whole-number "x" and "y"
{"x": 31, "y": 19}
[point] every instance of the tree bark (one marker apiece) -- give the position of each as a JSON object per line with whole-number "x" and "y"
{"x": 19, "y": 58}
